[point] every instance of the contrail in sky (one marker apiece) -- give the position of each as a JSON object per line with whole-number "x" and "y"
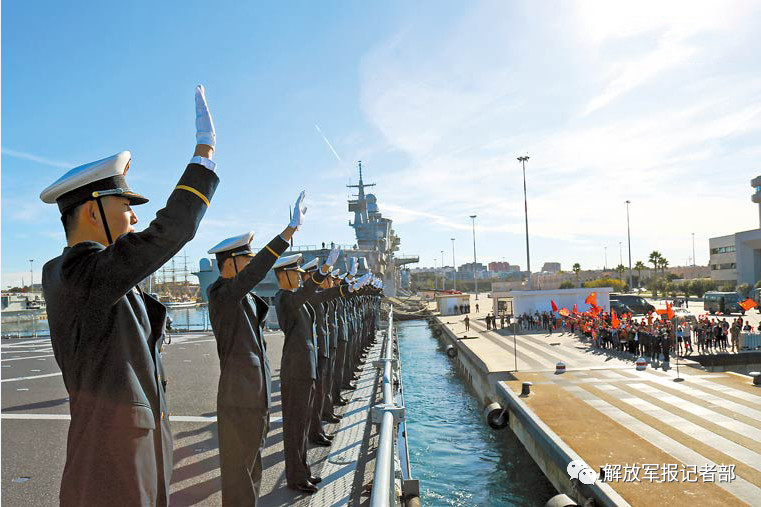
{"x": 328, "y": 143}
{"x": 35, "y": 158}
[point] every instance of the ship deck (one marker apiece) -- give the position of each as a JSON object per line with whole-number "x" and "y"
{"x": 706, "y": 427}
{"x": 35, "y": 420}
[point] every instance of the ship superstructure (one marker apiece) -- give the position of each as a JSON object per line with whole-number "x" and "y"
{"x": 376, "y": 241}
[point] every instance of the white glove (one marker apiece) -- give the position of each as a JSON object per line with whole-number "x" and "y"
{"x": 205, "y": 133}
{"x": 364, "y": 279}
{"x": 354, "y": 266}
{"x": 299, "y": 210}
{"x": 332, "y": 256}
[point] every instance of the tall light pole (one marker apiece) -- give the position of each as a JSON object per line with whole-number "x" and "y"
{"x": 629, "y": 236}
{"x": 31, "y": 275}
{"x": 475, "y": 276}
{"x": 620, "y": 253}
{"x": 454, "y": 269}
{"x": 605, "y": 266}
{"x": 443, "y": 273}
{"x": 523, "y": 161}
{"x": 693, "y": 249}
{"x": 435, "y": 276}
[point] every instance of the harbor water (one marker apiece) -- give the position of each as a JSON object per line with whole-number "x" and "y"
{"x": 457, "y": 458}
{"x": 194, "y": 318}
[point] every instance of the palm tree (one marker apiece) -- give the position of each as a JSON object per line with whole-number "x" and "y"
{"x": 663, "y": 264}
{"x": 639, "y": 267}
{"x": 576, "y": 269}
{"x": 620, "y": 268}
{"x": 654, "y": 259}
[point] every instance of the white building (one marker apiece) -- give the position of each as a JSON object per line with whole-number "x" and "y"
{"x": 518, "y": 302}
{"x": 736, "y": 258}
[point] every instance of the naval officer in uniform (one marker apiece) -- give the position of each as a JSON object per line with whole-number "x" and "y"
{"x": 244, "y": 395}
{"x": 320, "y": 302}
{"x": 298, "y": 369}
{"x": 107, "y": 334}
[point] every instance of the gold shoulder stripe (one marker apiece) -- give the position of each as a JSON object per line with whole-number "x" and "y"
{"x": 315, "y": 281}
{"x": 341, "y": 290}
{"x": 272, "y": 251}
{"x": 193, "y": 191}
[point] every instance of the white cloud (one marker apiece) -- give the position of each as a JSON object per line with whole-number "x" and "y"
{"x": 682, "y": 112}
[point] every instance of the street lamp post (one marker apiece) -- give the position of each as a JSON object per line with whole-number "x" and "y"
{"x": 629, "y": 237}
{"x": 693, "y": 249}
{"x": 31, "y": 275}
{"x": 435, "y": 276}
{"x": 475, "y": 276}
{"x": 443, "y": 273}
{"x": 605, "y": 266}
{"x": 523, "y": 161}
{"x": 454, "y": 269}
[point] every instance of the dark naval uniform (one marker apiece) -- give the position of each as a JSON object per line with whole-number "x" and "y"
{"x": 106, "y": 337}
{"x": 298, "y": 373}
{"x": 320, "y": 304}
{"x": 331, "y": 315}
{"x": 342, "y": 326}
{"x": 244, "y": 396}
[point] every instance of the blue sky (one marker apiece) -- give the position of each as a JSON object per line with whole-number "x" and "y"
{"x": 655, "y": 102}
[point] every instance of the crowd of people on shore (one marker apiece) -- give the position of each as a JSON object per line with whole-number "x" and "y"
{"x": 647, "y": 336}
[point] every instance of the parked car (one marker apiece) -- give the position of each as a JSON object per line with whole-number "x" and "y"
{"x": 684, "y": 314}
{"x": 637, "y": 303}
{"x": 725, "y": 303}
{"x": 620, "y": 308}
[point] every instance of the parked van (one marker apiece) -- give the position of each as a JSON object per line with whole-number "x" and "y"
{"x": 637, "y": 303}
{"x": 722, "y": 302}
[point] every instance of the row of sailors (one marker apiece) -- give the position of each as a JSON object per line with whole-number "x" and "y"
{"x": 328, "y": 319}
{"x": 107, "y": 335}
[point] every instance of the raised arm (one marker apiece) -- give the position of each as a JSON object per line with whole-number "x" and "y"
{"x": 134, "y": 256}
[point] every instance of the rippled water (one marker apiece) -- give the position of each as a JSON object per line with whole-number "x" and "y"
{"x": 456, "y": 457}
{"x": 194, "y": 318}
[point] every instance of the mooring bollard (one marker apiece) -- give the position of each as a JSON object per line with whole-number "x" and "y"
{"x": 560, "y": 368}
{"x": 641, "y": 364}
{"x": 526, "y": 389}
{"x": 451, "y": 351}
{"x": 756, "y": 377}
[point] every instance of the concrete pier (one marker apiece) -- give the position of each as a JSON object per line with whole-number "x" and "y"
{"x": 689, "y": 440}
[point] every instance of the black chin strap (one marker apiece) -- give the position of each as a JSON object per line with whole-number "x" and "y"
{"x": 235, "y": 265}
{"x": 103, "y": 218}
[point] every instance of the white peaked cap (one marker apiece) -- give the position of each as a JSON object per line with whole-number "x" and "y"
{"x": 288, "y": 262}
{"x": 311, "y": 265}
{"x": 238, "y": 245}
{"x": 97, "y": 179}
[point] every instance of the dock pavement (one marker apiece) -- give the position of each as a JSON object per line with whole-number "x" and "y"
{"x": 660, "y": 441}
{"x": 35, "y": 420}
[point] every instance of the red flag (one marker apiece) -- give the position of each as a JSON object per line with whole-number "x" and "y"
{"x": 564, "y": 312}
{"x": 554, "y": 306}
{"x": 661, "y": 312}
{"x": 614, "y": 320}
{"x": 596, "y": 310}
{"x": 748, "y": 304}
{"x": 669, "y": 311}
{"x": 575, "y": 310}
{"x": 591, "y": 299}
